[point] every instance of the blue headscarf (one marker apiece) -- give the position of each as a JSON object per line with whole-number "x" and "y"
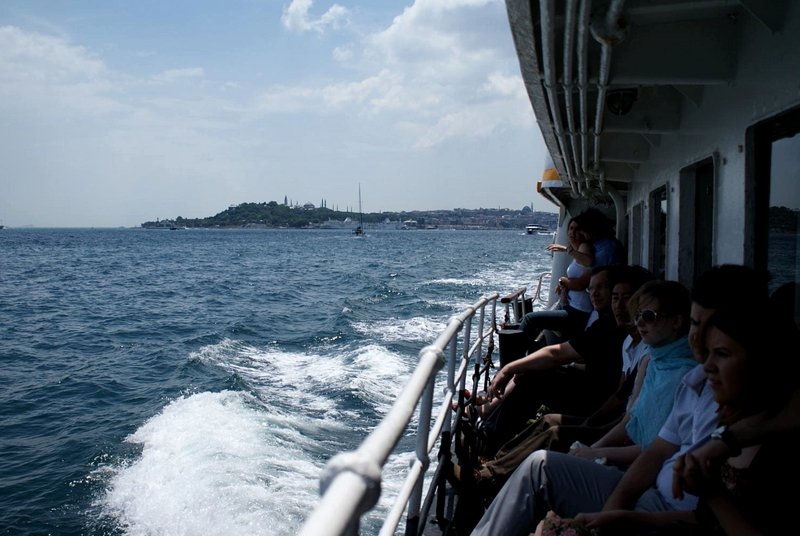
{"x": 668, "y": 364}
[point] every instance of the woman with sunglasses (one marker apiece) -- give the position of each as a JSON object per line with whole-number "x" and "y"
{"x": 660, "y": 311}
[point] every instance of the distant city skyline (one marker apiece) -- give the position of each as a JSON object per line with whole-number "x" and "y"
{"x": 118, "y": 113}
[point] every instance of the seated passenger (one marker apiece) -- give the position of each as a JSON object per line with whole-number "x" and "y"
{"x": 574, "y": 485}
{"x": 558, "y": 432}
{"x": 662, "y": 319}
{"x": 741, "y": 495}
{"x": 521, "y": 387}
{"x": 770, "y": 429}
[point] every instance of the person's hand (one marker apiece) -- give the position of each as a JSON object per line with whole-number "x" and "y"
{"x": 596, "y": 520}
{"x": 499, "y": 382}
{"x": 556, "y": 247}
{"x": 587, "y": 453}
{"x": 693, "y": 471}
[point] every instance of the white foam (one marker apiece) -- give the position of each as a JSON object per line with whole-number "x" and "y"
{"x": 419, "y": 329}
{"x": 470, "y": 281}
{"x": 211, "y": 464}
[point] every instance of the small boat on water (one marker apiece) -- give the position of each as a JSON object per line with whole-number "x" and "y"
{"x": 532, "y": 228}
{"x": 359, "y": 231}
{"x": 679, "y": 120}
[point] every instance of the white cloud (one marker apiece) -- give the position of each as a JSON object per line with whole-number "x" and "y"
{"x": 343, "y": 54}
{"x": 48, "y": 75}
{"x": 41, "y": 58}
{"x": 173, "y": 75}
{"x": 296, "y": 17}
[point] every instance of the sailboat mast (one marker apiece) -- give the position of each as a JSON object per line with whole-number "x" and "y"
{"x": 360, "y": 214}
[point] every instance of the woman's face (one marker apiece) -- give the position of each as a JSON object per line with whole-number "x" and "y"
{"x": 574, "y": 233}
{"x": 620, "y": 295}
{"x": 725, "y": 367}
{"x": 655, "y": 328}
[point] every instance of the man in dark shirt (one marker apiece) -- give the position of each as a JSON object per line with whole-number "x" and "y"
{"x": 573, "y": 377}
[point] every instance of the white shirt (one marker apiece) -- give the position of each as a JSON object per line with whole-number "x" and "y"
{"x": 693, "y": 417}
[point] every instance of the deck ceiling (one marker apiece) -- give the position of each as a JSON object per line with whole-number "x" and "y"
{"x": 608, "y": 80}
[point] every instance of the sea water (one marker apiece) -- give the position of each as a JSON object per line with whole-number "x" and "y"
{"x": 197, "y": 381}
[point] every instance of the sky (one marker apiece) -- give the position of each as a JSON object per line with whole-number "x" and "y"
{"x": 113, "y": 113}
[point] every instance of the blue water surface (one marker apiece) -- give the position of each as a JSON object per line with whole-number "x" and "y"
{"x": 196, "y": 381}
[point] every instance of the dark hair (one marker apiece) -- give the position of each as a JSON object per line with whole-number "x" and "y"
{"x": 784, "y": 301}
{"x": 673, "y": 300}
{"x": 770, "y": 367}
{"x": 728, "y": 286}
{"x": 595, "y": 223}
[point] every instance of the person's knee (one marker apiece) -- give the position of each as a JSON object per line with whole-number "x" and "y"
{"x": 526, "y": 319}
{"x": 552, "y": 419}
{"x": 535, "y": 466}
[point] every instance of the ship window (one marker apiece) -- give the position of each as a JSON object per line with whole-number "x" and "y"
{"x": 773, "y": 179}
{"x": 784, "y": 212}
{"x": 772, "y": 218}
{"x": 658, "y": 232}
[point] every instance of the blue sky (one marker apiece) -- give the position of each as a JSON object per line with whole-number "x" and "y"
{"x": 118, "y": 112}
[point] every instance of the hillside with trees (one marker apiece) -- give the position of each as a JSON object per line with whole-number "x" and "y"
{"x": 275, "y": 215}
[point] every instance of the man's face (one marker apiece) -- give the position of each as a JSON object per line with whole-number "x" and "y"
{"x": 599, "y": 293}
{"x": 620, "y": 295}
{"x": 698, "y": 317}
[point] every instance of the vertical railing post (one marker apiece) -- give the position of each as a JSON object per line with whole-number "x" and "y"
{"x": 415, "y": 501}
{"x": 466, "y": 344}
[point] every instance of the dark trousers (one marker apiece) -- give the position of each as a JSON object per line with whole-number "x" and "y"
{"x": 562, "y": 390}
{"x": 566, "y": 322}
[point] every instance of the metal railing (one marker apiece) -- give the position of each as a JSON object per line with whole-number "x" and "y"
{"x": 351, "y": 482}
{"x": 516, "y": 305}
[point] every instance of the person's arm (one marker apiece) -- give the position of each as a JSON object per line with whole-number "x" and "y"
{"x": 757, "y": 429}
{"x": 621, "y": 456}
{"x": 614, "y": 446}
{"x": 610, "y": 409}
{"x": 545, "y": 358}
{"x": 640, "y": 475}
{"x": 632, "y": 518}
{"x": 616, "y": 437}
{"x": 583, "y": 254}
{"x": 716, "y": 496}
{"x": 637, "y": 385}
{"x": 616, "y": 401}
{"x": 745, "y": 432}
{"x": 728, "y": 515}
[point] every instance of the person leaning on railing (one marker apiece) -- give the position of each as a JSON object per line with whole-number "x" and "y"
{"x": 572, "y": 317}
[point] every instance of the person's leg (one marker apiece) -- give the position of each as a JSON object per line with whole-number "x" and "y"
{"x": 533, "y": 323}
{"x": 553, "y": 438}
{"x": 547, "y": 481}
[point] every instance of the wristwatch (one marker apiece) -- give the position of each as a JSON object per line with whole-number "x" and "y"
{"x": 726, "y": 436}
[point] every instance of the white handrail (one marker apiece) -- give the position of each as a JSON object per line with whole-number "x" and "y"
{"x": 350, "y": 484}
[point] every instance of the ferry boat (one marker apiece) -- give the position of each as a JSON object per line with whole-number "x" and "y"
{"x": 681, "y": 121}
{"x": 532, "y": 228}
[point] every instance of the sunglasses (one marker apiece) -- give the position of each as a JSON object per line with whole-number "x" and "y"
{"x": 648, "y": 316}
